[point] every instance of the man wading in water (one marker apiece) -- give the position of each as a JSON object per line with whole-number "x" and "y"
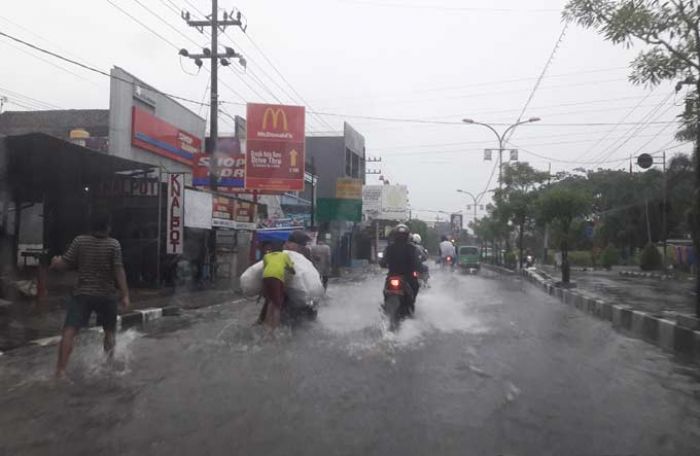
{"x": 98, "y": 259}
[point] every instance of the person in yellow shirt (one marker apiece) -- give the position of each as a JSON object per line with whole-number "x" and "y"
{"x": 276, "y": 265}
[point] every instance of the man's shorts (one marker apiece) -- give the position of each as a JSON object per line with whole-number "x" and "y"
{"x": 80, "y": 308}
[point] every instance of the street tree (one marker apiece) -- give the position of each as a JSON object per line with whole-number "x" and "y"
{"x": 559, "y": 206}
{"x": 516, "y": 199}
{"x": 670, "y": 31}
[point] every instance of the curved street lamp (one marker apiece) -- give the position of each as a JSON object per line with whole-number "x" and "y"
{"x": 501, "y": 139}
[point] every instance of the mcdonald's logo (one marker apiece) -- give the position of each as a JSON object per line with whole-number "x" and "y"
{"x": 275, "y": 114}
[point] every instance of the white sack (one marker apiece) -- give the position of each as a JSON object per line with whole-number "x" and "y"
{"x": 251, "y": 280}
{"x": 303, "y": 286}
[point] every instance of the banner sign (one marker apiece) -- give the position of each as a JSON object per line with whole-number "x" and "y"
{"x": 275, "y": 137}
{"x": 334, "y": 209}
{"x": 128, "y": 186}
{"x": 456, "y": 223}
{"x": 348, "y": 188}
{"x": 176, "y": 210}
{"x": 394, "y": 203}
{"x": 223, "y": 208}
{"x": 229, "y": 163}
{"x": 150, "y": 133}
{"x": 198, "y": 213}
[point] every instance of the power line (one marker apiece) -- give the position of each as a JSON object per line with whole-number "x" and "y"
{"x": 248, "y": 72}
{"x": 544, "y": 70}
{"x": 633, "y": 131}
{"x": 449, "y": 8}
{"x": 629, "y": 113}
{"x": 133, "y": 18}
{"x": 172, "y": 27}
{"x": 91, "y": 68}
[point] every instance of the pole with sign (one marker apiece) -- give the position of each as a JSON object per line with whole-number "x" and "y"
{"x": 174, "y": 239}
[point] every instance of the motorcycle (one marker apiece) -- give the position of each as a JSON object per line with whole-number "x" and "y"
{"x": 529, "y": 261}
{"x": 398, "y": 300}
{"x": 448, "y": 262}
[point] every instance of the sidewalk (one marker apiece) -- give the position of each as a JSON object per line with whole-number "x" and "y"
{"x": 24, "y": 321}
{"x": 647, "y": 294}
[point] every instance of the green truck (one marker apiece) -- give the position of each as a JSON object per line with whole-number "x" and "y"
{"x": 468, "y": 258}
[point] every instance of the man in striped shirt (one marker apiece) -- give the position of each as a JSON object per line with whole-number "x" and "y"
{"x": 98, "y": 259}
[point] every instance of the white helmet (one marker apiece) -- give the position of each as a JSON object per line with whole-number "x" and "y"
{"x": 415, "y": 237}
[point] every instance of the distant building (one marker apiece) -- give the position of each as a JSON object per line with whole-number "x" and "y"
{"x": 333, "y": 158}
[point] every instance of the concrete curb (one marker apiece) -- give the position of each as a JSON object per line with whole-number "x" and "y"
{"x": 645, "y": 275}
{"x": 499, "y": 269}
{"x": 667, "y": 334}
{"x": 130, "y": 319}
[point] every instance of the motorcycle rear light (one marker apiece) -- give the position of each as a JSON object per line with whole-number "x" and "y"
{"x": 394, "y": 283}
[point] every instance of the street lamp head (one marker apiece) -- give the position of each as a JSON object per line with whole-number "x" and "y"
{"x": 534, "y": 119}
{"x": 468, "y": 121}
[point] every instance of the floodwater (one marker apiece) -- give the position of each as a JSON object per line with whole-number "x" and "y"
{"x": 488, "y": 366}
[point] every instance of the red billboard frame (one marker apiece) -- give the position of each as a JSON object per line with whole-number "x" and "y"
{"x": 275, "y": 148}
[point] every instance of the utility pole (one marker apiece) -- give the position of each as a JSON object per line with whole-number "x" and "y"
{"x": 234, "y": 18}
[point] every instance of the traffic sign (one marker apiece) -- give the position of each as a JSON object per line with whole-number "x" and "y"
{"x": 645, "y": 161}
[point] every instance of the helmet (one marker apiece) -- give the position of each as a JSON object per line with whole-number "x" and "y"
{"x": 401, "y": 229}
{"x": 401, "y": 233}
{"x": 416, "y": 238}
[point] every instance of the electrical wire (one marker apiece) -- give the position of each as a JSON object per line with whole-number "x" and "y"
{"x": 544, "y": 71}
{"x": 91, "y": 68}
{"x": 649, "y": 117}
{"x": 133, "y": 18}
{"x": 449, "y": 8}
{"x": 604, "y": 137}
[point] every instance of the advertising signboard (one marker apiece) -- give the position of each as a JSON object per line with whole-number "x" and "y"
{"x": 274, "y": 147}
{"x": 334, "y": 209}
{"x": 371, "y": 201}
{"x": 176, "y": 210}
{"x": 120, "y": 186}
{"x": 456, "y": 223}
{"x": 198, "y": 212}
{"x": 230, "y": 165}
{"x": 150, "y": 133}
{"x": 348, "y": 188}
{"x": 394, "y": 203}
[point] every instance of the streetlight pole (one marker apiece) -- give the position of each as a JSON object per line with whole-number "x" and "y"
{"x": 501, "y": 140}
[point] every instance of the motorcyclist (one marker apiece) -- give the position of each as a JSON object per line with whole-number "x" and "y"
{"x": 401, "y": 257}
{"x": 423, "y": 256}
{"x": 447, "y": 249}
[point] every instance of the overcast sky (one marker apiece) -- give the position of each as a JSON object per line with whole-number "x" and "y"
{"x": 434, "y": 60}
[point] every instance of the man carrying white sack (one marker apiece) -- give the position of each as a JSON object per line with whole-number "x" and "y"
{"x": 301, "y": 288}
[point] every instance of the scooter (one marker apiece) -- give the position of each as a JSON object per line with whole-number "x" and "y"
{"x": 398, "y": 300}
{"x": 448, "y": 262}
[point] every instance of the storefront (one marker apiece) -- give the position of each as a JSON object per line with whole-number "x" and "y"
{"x": 50, "y": 189}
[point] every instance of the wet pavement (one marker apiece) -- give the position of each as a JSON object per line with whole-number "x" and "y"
{"x": 646, "y": 294}
{"x": 489, "y": 366}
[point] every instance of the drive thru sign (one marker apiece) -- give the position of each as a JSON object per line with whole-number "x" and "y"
{"x": 274, "y": 148}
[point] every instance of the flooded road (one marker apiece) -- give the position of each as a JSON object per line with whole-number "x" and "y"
{"x": 489, "y": 366}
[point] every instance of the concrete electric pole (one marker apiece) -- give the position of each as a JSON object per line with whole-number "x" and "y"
{"x": 234, "y": 18}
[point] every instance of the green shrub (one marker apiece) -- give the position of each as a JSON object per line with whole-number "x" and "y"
{"x": 610, "y": 257}
{"x": 510, "y": 259}
{"x": 651, "y": 258}
{"x": 580, "y": 258}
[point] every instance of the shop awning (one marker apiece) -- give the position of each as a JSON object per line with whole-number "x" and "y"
{"x": 39, "y": 163}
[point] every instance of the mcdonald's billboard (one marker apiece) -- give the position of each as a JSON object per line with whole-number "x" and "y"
{"x": 275, "y": 157}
